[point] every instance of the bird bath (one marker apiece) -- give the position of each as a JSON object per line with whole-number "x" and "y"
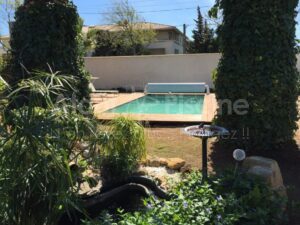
{"x": 204, "y": 132}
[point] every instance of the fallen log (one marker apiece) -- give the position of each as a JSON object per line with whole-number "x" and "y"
{"x": 95, "y": 203}
{"x": 149, "y": 183}
{"x": 104, "y": 198}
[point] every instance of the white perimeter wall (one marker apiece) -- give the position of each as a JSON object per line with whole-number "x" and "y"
{"x": 136, "y": 71}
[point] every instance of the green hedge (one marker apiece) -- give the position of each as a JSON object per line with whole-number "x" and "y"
{"x": 259, "y": 65}
{"x": 49, "y": 33}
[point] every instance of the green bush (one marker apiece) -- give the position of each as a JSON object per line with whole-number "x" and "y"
{"x": 258, "y": 64}
{"x": 226, "y": 200}
{"x": 123, "y": 150}
{"x": 48, "y": 33}
{"x": 37, "y": 141}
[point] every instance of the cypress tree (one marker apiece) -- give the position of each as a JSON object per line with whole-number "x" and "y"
{"x": 258, "y": 65}
{"x": 48, "y": 32}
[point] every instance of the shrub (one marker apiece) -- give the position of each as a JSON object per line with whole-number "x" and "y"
{"x": 258, "y": 64}
{"x": 49, "y": 33}
{"x": 37, "y": 142}
{"x": 123, "y": 150}
{"x": 226, "y": 200}
{"x": 254, "y": 201}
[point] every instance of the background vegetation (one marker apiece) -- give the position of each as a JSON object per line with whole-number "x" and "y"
{"x": 131, "y": 38}
{"x": 205, "y": 39}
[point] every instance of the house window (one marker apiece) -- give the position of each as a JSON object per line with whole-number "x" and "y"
{"x": 171, "y": 36}
{"x": 176, "y": 51}
{"x": 176, "y": 37}
{"x": 180, "y": 39}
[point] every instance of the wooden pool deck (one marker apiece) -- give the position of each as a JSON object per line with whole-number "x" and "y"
{"x": 100, "y": 108}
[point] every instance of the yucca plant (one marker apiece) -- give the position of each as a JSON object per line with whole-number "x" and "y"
{"x": 42, "y": 89}
{"x": 37, "y": 141}
{"x": 123, "y": 150}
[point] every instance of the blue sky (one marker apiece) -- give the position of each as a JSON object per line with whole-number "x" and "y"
{"x": 172, "y": 12}
{"x": 181, "y": 11}
{"x": 184, "y": 11}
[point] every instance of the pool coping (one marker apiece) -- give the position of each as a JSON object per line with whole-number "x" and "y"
{"x": 209, "y": 109}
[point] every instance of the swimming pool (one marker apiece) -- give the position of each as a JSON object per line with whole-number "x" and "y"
{"x": 163, "y": 104}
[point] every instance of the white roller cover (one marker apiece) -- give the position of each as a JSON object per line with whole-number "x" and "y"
{"x": 176, "y": 88}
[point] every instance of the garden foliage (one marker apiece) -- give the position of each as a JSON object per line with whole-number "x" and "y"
{"x": 48, "y": 33}
{"x": 227, "y": 200}
{"x": 37, "y": 141}
{"x": 123, "y": 150}
{"x": 258, "y": 65}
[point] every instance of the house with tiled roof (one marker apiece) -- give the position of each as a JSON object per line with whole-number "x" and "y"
{"x": 169, "y": 39}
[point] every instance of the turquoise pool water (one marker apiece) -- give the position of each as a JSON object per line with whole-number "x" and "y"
{"x": 163, "y": 104}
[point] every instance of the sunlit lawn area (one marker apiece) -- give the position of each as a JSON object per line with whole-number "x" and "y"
{"x": 171, "y": 142}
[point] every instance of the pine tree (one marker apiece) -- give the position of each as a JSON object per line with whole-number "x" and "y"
{"x": 203, "y": 35}
{"x": 210, "y": 42}
{"x": 198, "y": 34}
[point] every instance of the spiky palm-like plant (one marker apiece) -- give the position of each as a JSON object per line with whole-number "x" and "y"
{"x": 36, "y": 143}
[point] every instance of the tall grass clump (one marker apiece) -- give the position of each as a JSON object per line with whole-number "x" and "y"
{"x": 123, "y": 150}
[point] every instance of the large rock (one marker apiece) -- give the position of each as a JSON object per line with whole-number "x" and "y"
{"x": 156, "y": 162}
{"x": 170, "y": 163}
{"x": 267, "y": 169}
{"x": 165, "y": 177}
{"x": 175, "y": 163}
